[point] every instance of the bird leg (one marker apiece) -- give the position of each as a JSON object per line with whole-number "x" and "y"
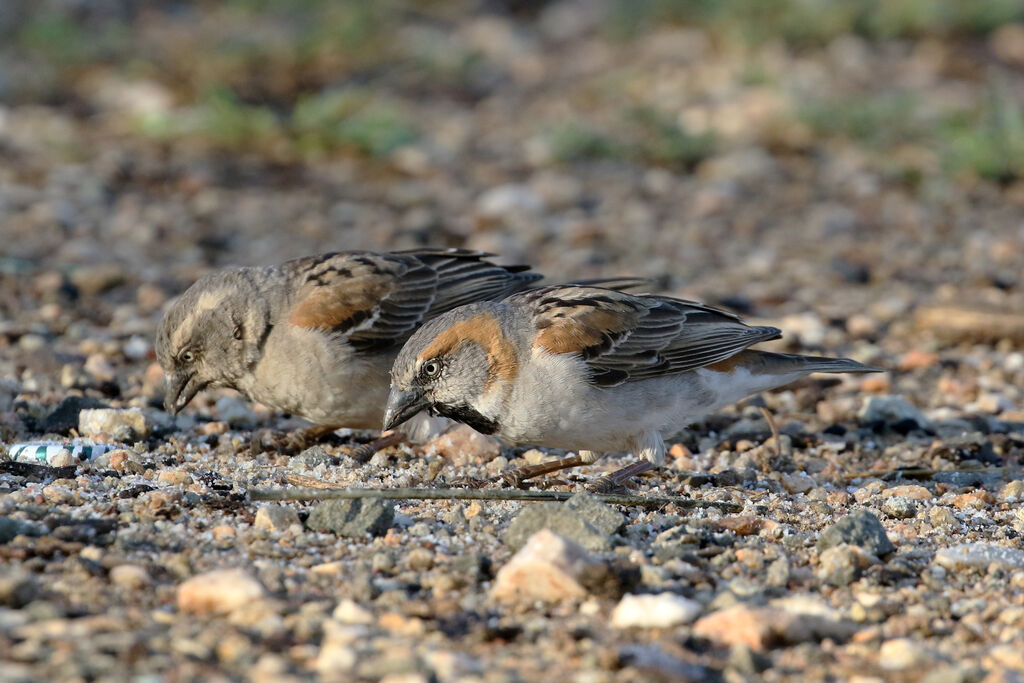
{"x": 610, "y": 482}
{"x": 775, "y": 430}
{"x": 367, "y": 450}
{"x": 516, "y": 477}
{"x": 293, "y": 442}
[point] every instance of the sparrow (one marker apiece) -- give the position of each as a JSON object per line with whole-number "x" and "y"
{"x": 588, "y": 369}
{"x": 317, "y": 336}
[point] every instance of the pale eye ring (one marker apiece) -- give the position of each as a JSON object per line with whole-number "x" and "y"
{"x": 186, "y": 356}
{"x": 431, "y": 368}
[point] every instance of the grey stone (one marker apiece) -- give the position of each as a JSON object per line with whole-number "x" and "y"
{"x": 352, "y": 518}
{"x": 9, "y": 528}
{"x": 859, "y": 528}
{"x": 64, "y": 417}
{"x": 17, "y": 587}
{"x": 601, "y": 516}
{"x": 558, "y": 518}
{"x": 839, "y": 566}
{"x": 890, "y": 410}
{"x": 276, "y": 517}
{"x": 979, "y": 556}
{"x": 311, "y": 457}
{"x": 899, "y": 507}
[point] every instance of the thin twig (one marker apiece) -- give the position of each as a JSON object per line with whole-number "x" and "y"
{"x": 480, "y": 494}
{"x": 919, "y": 472}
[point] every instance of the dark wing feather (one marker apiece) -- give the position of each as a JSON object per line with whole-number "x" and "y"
{"x": 626, "y": 338}
{"x": 378, "y": 300}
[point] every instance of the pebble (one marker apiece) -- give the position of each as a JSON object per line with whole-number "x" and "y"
{"x": 902, "y": 653}
{"x": 10, "y": 528}
{"x": 797, "y": 482}
{"x": 859, "y": 528}
{"x": 464, "y": 446}
{"x": 559, "y": 518}
{"x": 1012, "y": 492}
{"x": 979, "y": 556}
{"x": 940, "y": 516}
{"x": 174, "y": 477}
{"x": 912, "y": 491}
{"x": 842, "y": 564}
{"x": 65, "y": 416}
{"x": 276, "y": 517}
{"x": 311, "y": 457}
{"x": 547, "y": 568}
{"x": 131, "y": 576}
{"x": 603, "y": 517}
{"x": 917, "y": 360}
{"x": 120, "y": 425}
{"x": 899, "y": 507}
{"x": 890, "y": 410}
{"x": 219, "y": 591}
{"x": 761, "y": 628}
{"x": 352, "y": 518}
{"x": 505, "y": 200}
{"x": 663, "y": 610}
{"x": 351, "y": 612}
{"x": 17, "y": 587}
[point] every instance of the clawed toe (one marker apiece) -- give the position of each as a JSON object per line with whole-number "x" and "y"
{"x": 469, "y": 482}
{"x": 606, "y": 485}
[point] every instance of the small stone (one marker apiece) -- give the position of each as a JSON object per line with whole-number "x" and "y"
{"x": 100, "y": 368}
{"x": 547, "y": 568}
{"x": 65, "y": 416}
{"x": 842, "y": 565}
{"x": 350, "y": 612}
{"x": 1012, "y": 491}
{"x": 534, "y": 456}
{"x": 600, "y": 515}
{"x": 464, "y": 446}
{"x": 797, "y": 482}
{"x": 352, "y": 518}
{"x": 311, "y": 457}
{"x": 11, "y": 528}
{"x": 276, "y": 517}
{"x": 778, "y": 573}
{"x": 979, "y": 556}
{"x": 130, "y": 576}
{"x": 122, "y": 460}
{"x": 664, "y": 610}
{"x": 917, "y": 360}
{"x": 121, "y": 425}
{"x": 560, "y": 519}
{"x": 223, "y": 531}
{"x": 174, "y": 477}
{"x": 973, "y": 500}
{"x": 17, "y": 587}
{"x": 509, "y": 199}
{"x": 902, "y": 653}
{"x": 860, "y": 528}
{"x": 941, "y": 516}
{"x": 899, "y": 507}
{"x": 760, "y": 628}
{"x": 219, "y": 591}
{"x": 420, "y": 559}
{"x": 890, "y": 410}
{"x": 913, "y": 491}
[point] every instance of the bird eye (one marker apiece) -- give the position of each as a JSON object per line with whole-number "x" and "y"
{"x": 431, "y": 368}
{"x": 186, "y": 356}
{"x": 237, "y": 334}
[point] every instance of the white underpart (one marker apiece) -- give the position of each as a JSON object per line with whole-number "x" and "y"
{"x": 551, "y": 404}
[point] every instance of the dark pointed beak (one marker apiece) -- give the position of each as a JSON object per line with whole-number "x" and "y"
{"x": 180, "y": 390}
{"x": 402, "y": 405}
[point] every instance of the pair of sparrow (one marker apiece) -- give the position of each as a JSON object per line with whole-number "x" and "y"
{"x": 365, "y": 340}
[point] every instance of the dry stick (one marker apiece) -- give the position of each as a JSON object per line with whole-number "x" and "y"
{"x": 479, "y": 494}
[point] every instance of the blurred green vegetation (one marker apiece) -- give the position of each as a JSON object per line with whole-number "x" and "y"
{"x": 308, "y": 78}
{"x": 816, "y": 22}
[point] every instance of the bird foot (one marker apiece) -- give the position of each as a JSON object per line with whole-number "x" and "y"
{"x": 606, "y": 484}
{"x": 469, "y": 482}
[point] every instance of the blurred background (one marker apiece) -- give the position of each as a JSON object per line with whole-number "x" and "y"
{"x": 853, "y": 172}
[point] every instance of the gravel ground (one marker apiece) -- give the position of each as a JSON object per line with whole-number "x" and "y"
{"x": 877, "y": 538}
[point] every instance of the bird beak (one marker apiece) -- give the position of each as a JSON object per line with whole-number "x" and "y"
{"x": 180, "y": 390}
{"x": 402, "y": 405}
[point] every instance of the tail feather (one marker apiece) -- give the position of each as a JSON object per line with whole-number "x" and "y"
{"x": 784, "y": 363}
